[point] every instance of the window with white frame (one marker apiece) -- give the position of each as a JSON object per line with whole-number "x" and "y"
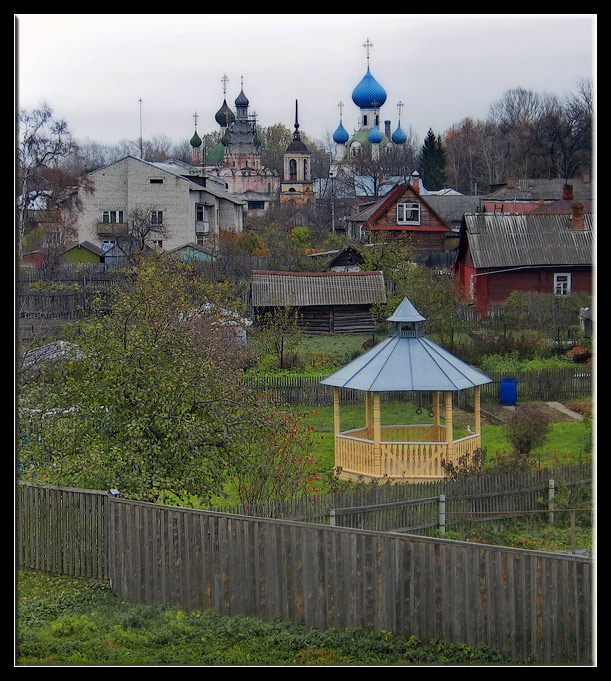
{"x": 408, "y": 213}
{"x": 157, "y": 217}
{"x": 562, "y": 283}
{"x": 112, "y": 216}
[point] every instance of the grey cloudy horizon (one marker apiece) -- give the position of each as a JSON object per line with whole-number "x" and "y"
{"x": 100, "y": 71}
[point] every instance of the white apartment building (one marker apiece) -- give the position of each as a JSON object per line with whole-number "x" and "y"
{"x": 191, "y": 207}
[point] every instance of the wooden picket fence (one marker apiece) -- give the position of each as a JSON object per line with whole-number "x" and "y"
{"x": 546, "y": 384}
{"x": 526, "y": 604}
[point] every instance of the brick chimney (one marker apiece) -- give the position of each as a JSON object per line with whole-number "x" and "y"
{"x": 577, "y": 218}
{"x": 567, "y": 192}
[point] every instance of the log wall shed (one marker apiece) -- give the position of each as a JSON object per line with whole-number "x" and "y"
{"x": 329, "y": 302}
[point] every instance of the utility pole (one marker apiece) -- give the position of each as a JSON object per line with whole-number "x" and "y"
{"x": 141, "y": 154}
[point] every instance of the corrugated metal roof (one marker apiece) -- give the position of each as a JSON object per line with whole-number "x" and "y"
{"x": 508, "y": 240}
{"x": 406, "y": 363}
{"x": 299, "y": 289}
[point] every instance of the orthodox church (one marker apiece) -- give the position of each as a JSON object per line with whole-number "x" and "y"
{"x": 369, "y": 96}
{"x": 236, "y": 159}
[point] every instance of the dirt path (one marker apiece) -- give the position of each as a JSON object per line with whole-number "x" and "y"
{"x": 494, "y": 413}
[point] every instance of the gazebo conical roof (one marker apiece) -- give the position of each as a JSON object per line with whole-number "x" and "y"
{"x": 407, "y": 361}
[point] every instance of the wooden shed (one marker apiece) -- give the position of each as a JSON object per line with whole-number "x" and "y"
{"x": 329, "y": 302}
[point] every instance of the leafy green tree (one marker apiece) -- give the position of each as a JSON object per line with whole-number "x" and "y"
{"x": 155, "y": 404}
{"x": 433, "y": 162}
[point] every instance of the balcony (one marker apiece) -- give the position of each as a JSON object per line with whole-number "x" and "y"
{"x": 111, "y": 228}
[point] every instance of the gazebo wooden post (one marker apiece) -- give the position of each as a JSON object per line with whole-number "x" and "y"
{"x": 377, "y": 435}
{"x": 449, "y": 427}
{"x": 476, "y": 400}
{"x": 336, "y": 422}
{"x": 368, "y": 417}
{"x": 436, "y": 416}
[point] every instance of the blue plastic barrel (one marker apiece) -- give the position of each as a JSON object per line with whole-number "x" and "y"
{"x": 508, "y": 394}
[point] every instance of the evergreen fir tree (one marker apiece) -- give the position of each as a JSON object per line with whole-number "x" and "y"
{"x": 433, "y": 162}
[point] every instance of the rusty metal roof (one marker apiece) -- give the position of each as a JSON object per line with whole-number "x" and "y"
{"x": 509, "y": 240}
{"x": 299, "y": 289}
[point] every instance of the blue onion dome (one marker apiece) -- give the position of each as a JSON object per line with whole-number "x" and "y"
{"x": 196, "y": 140}
{"x": 340, "y": 136}
{"x": 368, "y": 94}
{"x": 375, "y": 136}
{"x": 399, "y": 136}
{"x": 224, "y": 116}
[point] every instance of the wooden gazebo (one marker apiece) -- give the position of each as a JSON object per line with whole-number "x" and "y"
{"x": 406, "y": 361}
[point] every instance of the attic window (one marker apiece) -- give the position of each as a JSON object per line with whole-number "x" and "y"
{"x": 156, "y": 180}
{"x": 408, "y": 214}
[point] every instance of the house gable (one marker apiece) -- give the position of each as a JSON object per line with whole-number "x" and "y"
{"x": 393, "y": 212}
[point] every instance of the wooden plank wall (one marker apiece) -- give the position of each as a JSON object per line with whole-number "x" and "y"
{"x": 523, "y": 603}
{"x": 61, "y": 531}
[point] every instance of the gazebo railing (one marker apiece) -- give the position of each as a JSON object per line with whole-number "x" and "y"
{"x": 418, "y": 458}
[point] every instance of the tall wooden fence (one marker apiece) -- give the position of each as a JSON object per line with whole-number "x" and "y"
{"x": 527, "y": 604}
{"x": 545, "y": 384}
{"x": 62, "y": 531}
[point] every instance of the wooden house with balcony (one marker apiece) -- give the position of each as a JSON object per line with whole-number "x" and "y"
{"x": 406, "y": 361}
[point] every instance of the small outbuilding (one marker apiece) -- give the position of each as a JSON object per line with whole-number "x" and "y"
{"x": 327, "y": 302}
{"x": 406, "y": 361}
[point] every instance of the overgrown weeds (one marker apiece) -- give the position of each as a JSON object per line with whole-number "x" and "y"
{"x": 78, "y": 622}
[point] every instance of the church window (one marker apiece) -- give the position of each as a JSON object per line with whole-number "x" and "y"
{"x": 156, "y": 180}
{"x": 293, "y": 169}
{"x": 157, "y": 217}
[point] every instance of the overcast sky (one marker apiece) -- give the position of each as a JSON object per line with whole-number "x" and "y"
{"x": 92, "y": 69}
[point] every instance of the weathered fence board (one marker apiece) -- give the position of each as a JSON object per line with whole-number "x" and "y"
{"x": 61, "y": 531}
{"x": 515, "y": 601}
{"x": 523, "y": 603}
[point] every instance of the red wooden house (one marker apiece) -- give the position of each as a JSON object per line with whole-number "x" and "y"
{"x": 403, "y": 210}
{"x": 500, "y": 253}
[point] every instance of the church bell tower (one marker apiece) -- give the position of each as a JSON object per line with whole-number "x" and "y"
{"x": 297, "y": 186}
